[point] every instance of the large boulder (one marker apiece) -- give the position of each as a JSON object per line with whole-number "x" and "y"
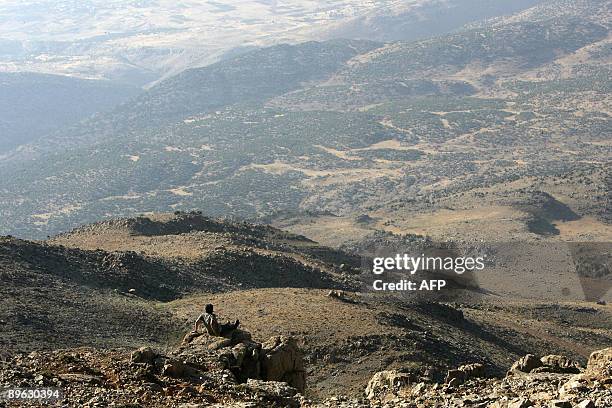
{"x": 246, "y": 361}
{"x": 558, "y": 364}
{"x": 279, "y": 359}
{"x": 282, "y": 360}
{"x": 600, "y": 364}
{"x": 464, "y": 373}
{"x": 552, "y": 363}
{"x": 144, "y": 355}
{"x": 387, "y": 382}
{"x": 597, "y": 373}
{"x": 526, "y": 364}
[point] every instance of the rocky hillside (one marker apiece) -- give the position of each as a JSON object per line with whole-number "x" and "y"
{"x": 238, "y": 372}
{"x": 346, "y": 336}
{"x": 129, "y": 283}
{"x": 550, "y": 381}
{"x": 219, "y": 372}
{"x": 62, "y": 292}
{"x": 422, "y": 19}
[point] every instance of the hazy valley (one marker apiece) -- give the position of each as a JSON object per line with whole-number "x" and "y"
{"x": 517, "y": 111}
{"x": 258, "y": 155}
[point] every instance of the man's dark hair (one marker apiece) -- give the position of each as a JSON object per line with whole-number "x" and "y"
{"x": 209, "y": 308}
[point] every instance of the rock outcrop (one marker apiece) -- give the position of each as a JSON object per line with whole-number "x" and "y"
{"x": 526, "y": 364}
{"x": 558, "y": 364}
{"x": 547, "y": 382}
{"x": 240, "y": 372}
{"x": 547, "y": 364}
{"x": 600, "y": 365}
{"x": 598, "y": 374}
{"x": 278, "y": 359}
{"x": 281, "y": 360}
{"x": 464, "y": 373}
{"x": 387, "y": 382}
{"x": 203, "y": 371}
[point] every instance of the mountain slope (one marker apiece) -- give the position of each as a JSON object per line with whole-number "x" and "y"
{"x": 142, "y": 42}
{"x": 525, "y": 44}
{"x": 127, "y": 283}
{"x": 352, "y": 128}
{"x": 34, "y": 105}
{"x": 248, "y": 78}
{"x": 418, "y": 20}
{"x": 55, "y": 294}
{"x": 252, "y": 77}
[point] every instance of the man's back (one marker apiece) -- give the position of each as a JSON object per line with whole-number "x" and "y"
{"x": 209, "y": 320}
{"x": 210, "y": 323}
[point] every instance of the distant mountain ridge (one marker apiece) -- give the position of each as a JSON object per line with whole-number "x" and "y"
{"x": 418, "y": 20}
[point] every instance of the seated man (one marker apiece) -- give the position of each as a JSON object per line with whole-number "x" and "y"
{"x": 209, "y": 320}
